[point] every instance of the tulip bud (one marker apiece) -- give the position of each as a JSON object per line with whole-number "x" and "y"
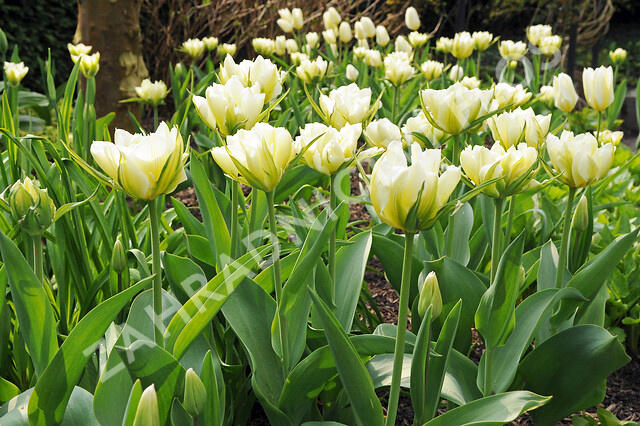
{"x": 147, "y": 413}
{"x": 368, "y": 27}
{"x": 402, "y": 45}
{"x": 430, "y": 296}
{"x": 444, "y": 44}
{"x": 210, "y": 43}
{"x": 195, "y": 394}
{"x": 453, "y": 109}
{"x": 30, "y": 206}
{"x": 263, "y": 46}
{"x": 420, "y": 124}
{"x": 331, "y": 18}
{"x": 330, "y": 36}
{"x": 482, "y": 39}
{"x": 456, "y": 73}
{"x": 382, "y": 36}
{"x": 15, "y": 72}
{"x": 298, "y": 19}
{"x": 292, "y": 46}
{"x": 549, "y": 45}
{"x": 179, "y": 68}
{"x": 89, "y": 65}
{"x": 227, "y": 49}
{"x": 463, "y": 45}
{"x": 411, "y": 18}
{"x": 580, "y": 219}
{"x": 418, "y": 39}
{"x": 432, "y": 69}
{"x": 397, "y": 68}
{"x": 598, "y": 87}
{"x": 409, "y": 197}
{"x": 511, "y": 50}
{"x": 328, "y": 149}
{"x": 565, "y": 96}
{"x": 578, "y": 158}
{"x": 382, "y": 132}
{"x": 264, "y": 153}
{"x": 4, "y": 44}
{"x": 193, "y": 47}
{"x": 77, "y": 50}
{"x": 144, "y": 166}
{"x": 280, "y": 45}
{"x": 506, "y": 95}
{"x": 344, "y": 32}
{"x": 618, "y": 56}
{"x": 118, "y": 257}
{"x": 470, "y": 82}
{"x": 312, "y": 71}
{"x": 346, "y": 105}
{"x": 285, "y": 22}
{"x": 547, "y": 95}
{"x": 536, "y": 33}
{"x": 607, "y": 136}
{"x": 358, "y": 28}
{"x": 373, "y": 58}
{"x": 512, "y": 65}
{"x": 312, "y": 39}
{"x": 352, "y": 73}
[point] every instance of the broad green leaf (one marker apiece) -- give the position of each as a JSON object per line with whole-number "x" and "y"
{"x": 132, "y": 404}
{"x": 184, "y": 275}
{"x": 504, "y": 360}
{"x": 250, "y": 311}
{"x": 35, "y": 315}
{"x": 351, "y": 261}
{"x": 390, "y": 254}
{"x": 153, "y": 365}
{"x": 579, "y": 358}
{"x": 214, "y": 224}
{"x": 457, "y": 282}
{"x": 548, "y": 266}
{"x": 458, "y": 233}
{"x": 353, "y": 374}
{"x": 7, "y": 390}
{"x": 295, "y": 178}
{"x": 78, "y": 412}
{"x": 495, "y": 316}
{"x": 295, "y": 303}
{"x": 439, "y": 360}
{"x": 70, "y": 360}
{"x": 491, "y": 410}
{"x": 592, "y": 276}
{"x": 211, "y": 376}
{"x": 420, "y": 368}
{"x": 613, "y": 111}
{"x": 194, "y": 315}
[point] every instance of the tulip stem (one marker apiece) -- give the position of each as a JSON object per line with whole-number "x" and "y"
{"x": 333, "y": 201}
{"x": 497, "y": 237}
{"x": 511, "y": 208}
{"x": 566, "y": 230}
{"x": 395, "y": 104}
{"x": 403, "y": 313}
{"x": 234, "y": 219}
{"x": 277, "y": 282}
{"x": 155, "y": 117}
{"x": 157, "y": 271}
{"x": 599, "y": 124}
{"x": 37, "y": 258}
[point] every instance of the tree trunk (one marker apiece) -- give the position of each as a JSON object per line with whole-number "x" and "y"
{"x": 112, "y": 27}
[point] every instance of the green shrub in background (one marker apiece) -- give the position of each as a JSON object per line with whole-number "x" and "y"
{"x": 36, "y": 25}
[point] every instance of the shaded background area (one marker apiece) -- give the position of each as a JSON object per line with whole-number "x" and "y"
{"x": 36, "y": 25}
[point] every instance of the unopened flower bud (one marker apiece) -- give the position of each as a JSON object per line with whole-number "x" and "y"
{"x": 31, "y": 206}
{"x": 430, "y": 295}
{"x": 118, "y": 258}
{"x": 580, "y": 219}
{"x": 195, "y": 394}
{"x": 147, "y": 413}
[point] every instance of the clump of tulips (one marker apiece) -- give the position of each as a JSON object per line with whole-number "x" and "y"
{"x": 470, "y": 183}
